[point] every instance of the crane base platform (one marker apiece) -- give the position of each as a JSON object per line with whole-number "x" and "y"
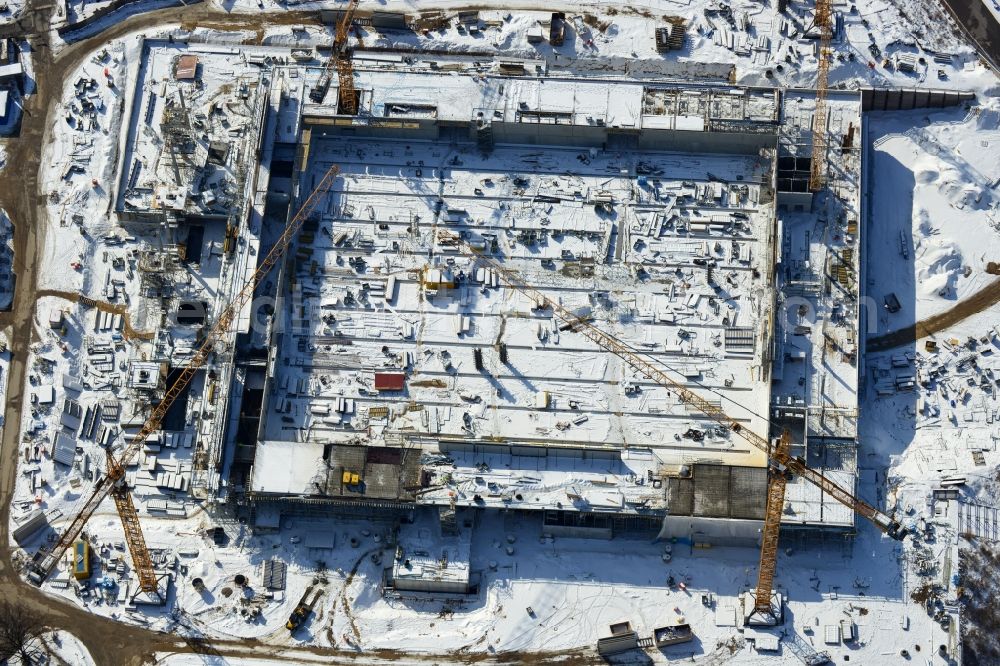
{"x": 158, "y": 598}
{"x": 772, "y": 618}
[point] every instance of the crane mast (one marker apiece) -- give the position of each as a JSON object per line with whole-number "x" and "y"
{"x": 113, "y": 482}
{"x": 817, "y": 165}
{"x": 782, "y": 464}
{"x": 339, "y": 60}
{"x": 776, "y": 483}
{"x": 345, "y": 69}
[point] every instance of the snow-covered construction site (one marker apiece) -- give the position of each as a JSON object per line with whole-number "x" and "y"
{"x": 421, "y": 351}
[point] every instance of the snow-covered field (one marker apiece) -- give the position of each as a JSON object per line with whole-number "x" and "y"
{"x": 65, "y": 648}
{"x": 936, "y": 214}
{"x": 574, "y": 588}
{"x": 935, "y": 207}
{"x": 12, "y": 11}
{"x": 79, "y": 166}
{"x": 935, "y": 225}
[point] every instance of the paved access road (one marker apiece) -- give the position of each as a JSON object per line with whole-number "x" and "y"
{"x": 980, "y": 25}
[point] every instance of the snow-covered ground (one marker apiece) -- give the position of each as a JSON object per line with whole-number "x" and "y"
{"x": 65, "y": 648}
{"x": 935, "y": 207}
{"x": 79, "y": 165}
{"x": 770, "y": 51}
{"x": 574, "y": 588}
{"x": 12, "y": 9}
{"x": 935, "y": 225}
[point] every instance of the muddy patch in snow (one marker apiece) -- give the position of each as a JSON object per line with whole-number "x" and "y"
{"x": 981, "y": 614}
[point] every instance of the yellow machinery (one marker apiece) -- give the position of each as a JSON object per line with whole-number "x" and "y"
{"x": 817, "y": 166}
{"x": 339, "y": 60}
{"x": 782, "y": 464}
{"x": 80, "y": 564}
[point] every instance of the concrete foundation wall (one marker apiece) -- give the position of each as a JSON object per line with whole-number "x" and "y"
{"x": 905, "y": 99}
{"x": 414, "y": 130}
{"x": 539, "y": 451}
{"x": 378, "y": 19}
{"x": 713, "y": 531}
{"x": 449, "y": 587}
{"x": 706, "y": 142}
{"x": 655, "y": 69}
{"x": 584, "y": 136}
{"x": 578, "y": 532}
{"x": 549, "y": 134}
{"x": 649, "y": 139}
{"x": 791, "y": 200}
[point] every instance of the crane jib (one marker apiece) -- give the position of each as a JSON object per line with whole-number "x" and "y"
{"x": 633, "y": 357}
{"x": 113, "y": 483}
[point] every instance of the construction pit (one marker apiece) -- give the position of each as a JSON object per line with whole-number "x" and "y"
{"x": 390, "y": 287}
{"x": 421, "y": 349}
{"x": 421, "y": 352}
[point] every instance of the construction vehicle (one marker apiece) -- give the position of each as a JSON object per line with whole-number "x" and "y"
{"x": 298, "y": 616}
{"x": 303, "y": 609}
{"x": 782, "y": 465}
{"x": 339, "y": 60}
{"x": 113, "y": 483}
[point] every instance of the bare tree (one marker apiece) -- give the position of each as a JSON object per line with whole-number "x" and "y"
{"x": 20, "y": 632}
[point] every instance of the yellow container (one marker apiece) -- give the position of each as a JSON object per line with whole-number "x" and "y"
{"x": 81, "y": 560}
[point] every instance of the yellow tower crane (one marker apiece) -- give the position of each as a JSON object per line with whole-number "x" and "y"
{"x": 817, "y": 167}
{"x": 113, "y": 483}
{"x": 782, "y": 464}
{"x": 339, "y": 60}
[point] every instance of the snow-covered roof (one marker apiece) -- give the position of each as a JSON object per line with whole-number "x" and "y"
{"x": 457, "y": 95}
{"x": 286, "y": 467}
{"x": 605, "y": 481}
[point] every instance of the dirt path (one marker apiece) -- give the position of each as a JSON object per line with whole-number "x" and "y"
{"x": 983, "y": 299}
{"x": 103, "y": 306}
